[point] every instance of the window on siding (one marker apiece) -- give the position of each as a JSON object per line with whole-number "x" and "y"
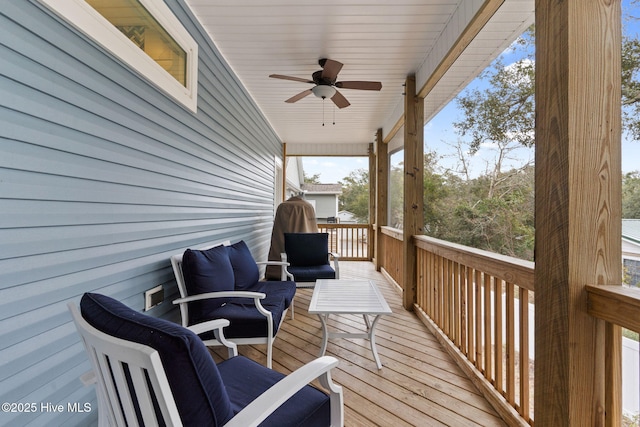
{"x": 144, "y": 34}
{"x": 133, "y": 20}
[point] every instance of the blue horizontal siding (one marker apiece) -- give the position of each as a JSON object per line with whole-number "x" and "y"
{"x": 102, "y": 178}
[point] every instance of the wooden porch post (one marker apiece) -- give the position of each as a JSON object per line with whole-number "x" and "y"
{"x": 381, "y": 196}
{"x": 372, "y": 199}
{"x": 413, "y": 222}
{"x": 578, "y": 207}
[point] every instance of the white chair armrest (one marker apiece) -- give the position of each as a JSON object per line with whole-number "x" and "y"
{"x": 257, "y": 296}
{"x": 288, "y": 275}
{"x": 216, "y": 326}
{"x": 272, "y": 263}
{"x": 285, "y": 273}
{"x": 224, "y": 294}
{"x": 209, "y": 325}
{"x": 336, "y": 264}
{"x": 258, "y": 410}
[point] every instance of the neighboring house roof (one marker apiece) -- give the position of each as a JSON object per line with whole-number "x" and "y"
{"x": 631, "y": 230}
{"x": 346, "y": 216}
{"x": 322, "y": 188}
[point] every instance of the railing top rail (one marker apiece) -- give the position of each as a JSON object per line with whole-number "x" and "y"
{"x": 510, "y": 269}
{"x": 616, "y": 304}
{"x": 340, "y": 225}
{"x": 392, "y": 232}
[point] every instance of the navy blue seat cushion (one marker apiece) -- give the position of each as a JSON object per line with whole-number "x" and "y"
{"x": 196, "y": 384}
{"x": 245, "y": 380}
{"x": 286, "y": 290}
{"x": 246, "y": 321}
{"x": 245, "y": 269}
{"x": 206, "y": 271}
{"x": 307, "y": 249}
{"x": 312, "y": 273}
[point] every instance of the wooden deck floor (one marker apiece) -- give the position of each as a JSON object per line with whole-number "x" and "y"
{"x": 419, "y": 384}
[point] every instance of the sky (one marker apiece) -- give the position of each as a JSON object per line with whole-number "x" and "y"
{"x": 333, "y": 169}
{"x": 439, "y": 134}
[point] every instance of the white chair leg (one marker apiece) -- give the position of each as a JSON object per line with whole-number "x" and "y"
{"x": 269, "y": 352}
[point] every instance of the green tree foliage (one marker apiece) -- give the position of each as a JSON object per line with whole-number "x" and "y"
{"x": 436, "y": 192}
{"x": 631, "y": 195}
{"x": 506, "y": 109}
{"x": 396, "y": 196}
{"x": 631, "y": 74}
{"x": 355, "y": 194}
{"x": 503, "y": 223}
{"x": 494, "y": 211}
{"x": 631, "y": 86}
{"x": 503, "y": 113}
{"x": 313, "y": 179}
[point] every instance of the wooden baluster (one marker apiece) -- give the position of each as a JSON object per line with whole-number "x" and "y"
{"x": 524, "y": 354}
{"x": 471, "y": 329}
{"x": 511, "y": 345}
{"x": 498, "y": 353}
{"x": 478, "y": 297}
{"x": 488, "y": 367}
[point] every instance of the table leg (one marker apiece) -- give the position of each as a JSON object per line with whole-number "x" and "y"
{"x": 372, "y": 341}
{"x": 325, "y": 333}
{"x": 366, "y": 321}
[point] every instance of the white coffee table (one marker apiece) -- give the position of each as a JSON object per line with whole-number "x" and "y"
{"x": 348, "y": 297}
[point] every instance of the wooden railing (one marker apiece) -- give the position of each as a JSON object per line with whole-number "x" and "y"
{"x": 483, "y": 303}
{"x": 352, "y": 241}
{"x": 619, "y": 306}
{"x": 390, "y": 253}
{"x": 480, "y": 306}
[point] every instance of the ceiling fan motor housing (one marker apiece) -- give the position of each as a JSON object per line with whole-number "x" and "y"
{"x": 319, "y": 80}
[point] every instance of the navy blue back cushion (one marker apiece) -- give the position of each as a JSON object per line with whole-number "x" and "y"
{"x": 307, "y": 249}
{"x": 196, "y": 384}
{"x": 206, "y": 271}
{"x": 245, "y": 269}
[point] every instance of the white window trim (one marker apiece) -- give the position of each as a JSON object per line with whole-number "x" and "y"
{"x": 86, "y": 19}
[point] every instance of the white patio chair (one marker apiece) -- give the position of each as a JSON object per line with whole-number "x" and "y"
{"x": 225, "y": 283}
{"x": 151, "y": 371}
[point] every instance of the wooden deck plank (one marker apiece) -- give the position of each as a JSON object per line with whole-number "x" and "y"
{"x": 418, "y": 385}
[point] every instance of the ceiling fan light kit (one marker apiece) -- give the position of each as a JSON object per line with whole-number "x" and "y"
{"x": 324, "y": 91}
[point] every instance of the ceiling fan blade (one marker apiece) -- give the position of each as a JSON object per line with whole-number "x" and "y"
{"x": 340, "y": 100}
{"x": 360, "y": 85}
{"x": 295, "y": 79}
{"x": 330, "y": 69}
{"x": 299, "y": 96}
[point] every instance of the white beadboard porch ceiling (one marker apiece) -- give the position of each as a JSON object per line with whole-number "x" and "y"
{"x": 377, "y": 40}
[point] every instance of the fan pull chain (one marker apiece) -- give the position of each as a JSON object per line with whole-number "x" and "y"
{"x": 323, "y": 111}
{"x": 334, "y": 112}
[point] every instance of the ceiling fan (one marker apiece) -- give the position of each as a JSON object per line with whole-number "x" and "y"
{"x": 325, "y": 84}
